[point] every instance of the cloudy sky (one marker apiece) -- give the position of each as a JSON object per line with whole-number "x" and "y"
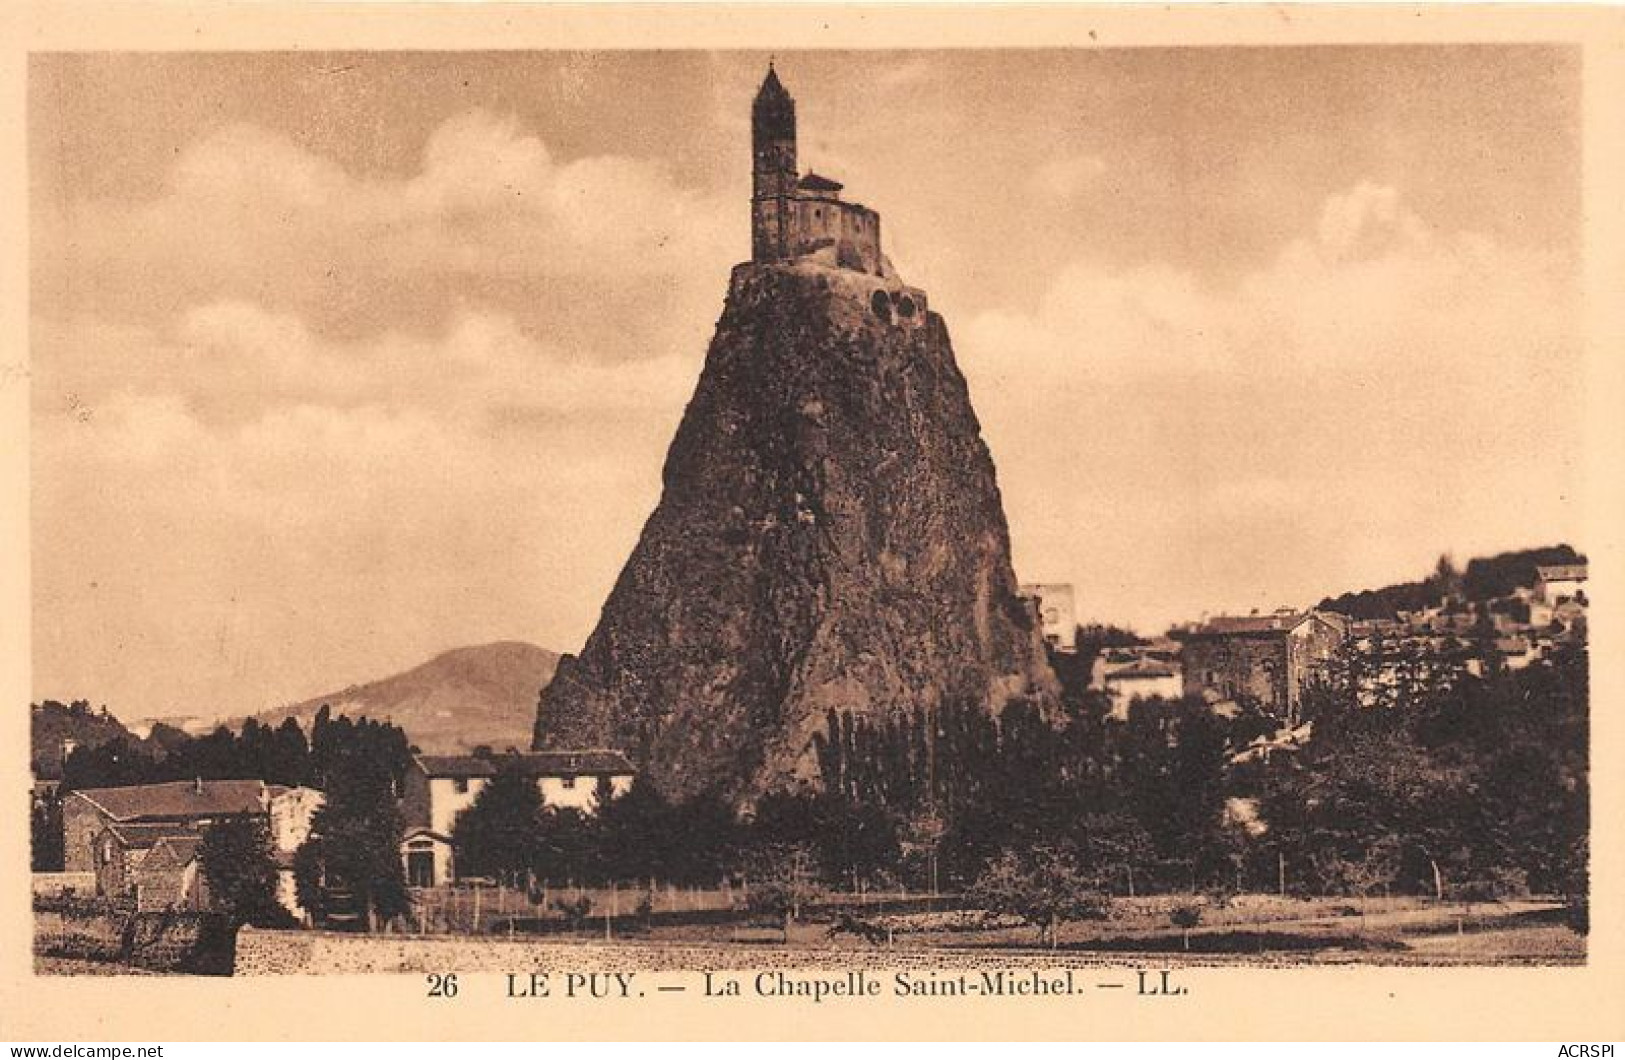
{"x": 340, "y": 360}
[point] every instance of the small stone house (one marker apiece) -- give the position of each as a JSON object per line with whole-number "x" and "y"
{"x": 189, "y": 805}
{"x": 1137, "y": 672}
{"x": 1265, "y": 658}
{"x": 171, "y": 875}
{"x": 114, "y": 833}
{"x": 121, "y": 850}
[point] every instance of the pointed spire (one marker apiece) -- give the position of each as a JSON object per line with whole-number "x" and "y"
{"x": 771, "y": 85}
{"x": 773, "y": 114}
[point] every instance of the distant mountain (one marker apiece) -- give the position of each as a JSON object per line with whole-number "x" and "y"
{"x": 1485, "y": 578}
{"x": 456, "y": 701}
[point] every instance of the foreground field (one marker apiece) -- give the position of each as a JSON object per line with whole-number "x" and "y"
{"x": 943, "y": 942}
{"x": 1385, "y": 931}
{"x": 913, "y": 932}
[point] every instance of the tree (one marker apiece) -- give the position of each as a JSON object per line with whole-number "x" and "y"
{"x": 1359, "y": 875}
{"x": 1447, "y": 580}
{"x": 567, "y": 849}
{"x": 45, "y": 832}
{"x": 287, "y": 757}
{"x": 780, "y": 881}
{"x": 1184, "y": 916}
{"x": 237, "y": 863}
{"x": 706, "y": 838}
{"x": 499, "y": 835}
{"x": 1043, "y": 887}
{"x": 1113, "y": 846}
{"x": 351, "y": 865}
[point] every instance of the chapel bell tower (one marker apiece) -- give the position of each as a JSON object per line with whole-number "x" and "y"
{"x": 773, "y": 171}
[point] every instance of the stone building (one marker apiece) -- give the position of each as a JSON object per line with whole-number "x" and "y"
{"x": 142, "y": 840}
{"x": 171, "y": 875}
{"x": 1263, "y": 658}
{"x": 801, "y": 219}
{"x": 791, "y": 215}
{"x": 186, "y": 805}
{"x": 120, "y": 853}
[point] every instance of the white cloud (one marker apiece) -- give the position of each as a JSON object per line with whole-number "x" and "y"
{"x": 248, "y": 210}
{"x": 247, "y": 477}
{"x": 279, "y": 419}
{"x": 236, "y": 359}
{"x": 1378, "y": 379}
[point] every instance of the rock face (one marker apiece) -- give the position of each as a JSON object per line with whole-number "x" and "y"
{"x": 830, "y": 536}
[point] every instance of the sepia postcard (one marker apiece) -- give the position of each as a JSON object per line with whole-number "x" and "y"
{"x": 913, "y": 521}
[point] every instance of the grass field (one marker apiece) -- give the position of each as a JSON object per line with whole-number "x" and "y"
{"x": 1401, "y": 930}
{"x": 1388, "y": 930}
{"x": 1259, "y": 930}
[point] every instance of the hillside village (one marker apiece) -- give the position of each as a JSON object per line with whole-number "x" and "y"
{"x": 1267, "y": 660}
{"x": 143, "y": 842}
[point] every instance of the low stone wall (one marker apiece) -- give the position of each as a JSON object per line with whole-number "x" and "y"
{"x": 154, "y": 941}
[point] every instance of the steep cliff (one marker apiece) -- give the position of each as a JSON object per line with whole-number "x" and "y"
{"x": 830, "y": 535}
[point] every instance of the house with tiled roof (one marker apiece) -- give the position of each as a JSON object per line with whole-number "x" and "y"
{"x": 1141, "y": 679}
{"x": 439, "y": 787}
{"x": 1558, "y": 582}
{"x": 119, "y": 850}
{"x": 114, "y": 832}
{"x": 1266, "y": 659}
{"x": 189, "y": 804}
{"x": 171, "y": 875}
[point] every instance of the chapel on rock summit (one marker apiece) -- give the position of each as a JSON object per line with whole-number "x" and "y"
{"x": 802, "y": 219}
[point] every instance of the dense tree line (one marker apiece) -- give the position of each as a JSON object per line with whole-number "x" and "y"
{"x": 1452, "y": 785}
{"x": 923, "y": 800}
{"x": 1446, "y": 784}
{"x": 280, "y": 755}
{"x": 1480, "y": 786}
{"x": 1485, "y": 578}
{"x": 509, "y": 835}
{"x": 1144, "y": 798}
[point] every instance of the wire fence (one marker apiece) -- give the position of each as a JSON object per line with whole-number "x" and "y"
{"x": 483, "y": 907}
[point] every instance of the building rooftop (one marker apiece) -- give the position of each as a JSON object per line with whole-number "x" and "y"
{"x": 814, "y": 182}
{"x": 145, "y": 836}
{"x": 1230, "y": 625}
{"x": 181, "y": 848}
{"x": 536, "y": 763}
{"x": 1141, "y": 668}
{"x": 178, "y": 799}
{"x": 1562, "y": 572}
